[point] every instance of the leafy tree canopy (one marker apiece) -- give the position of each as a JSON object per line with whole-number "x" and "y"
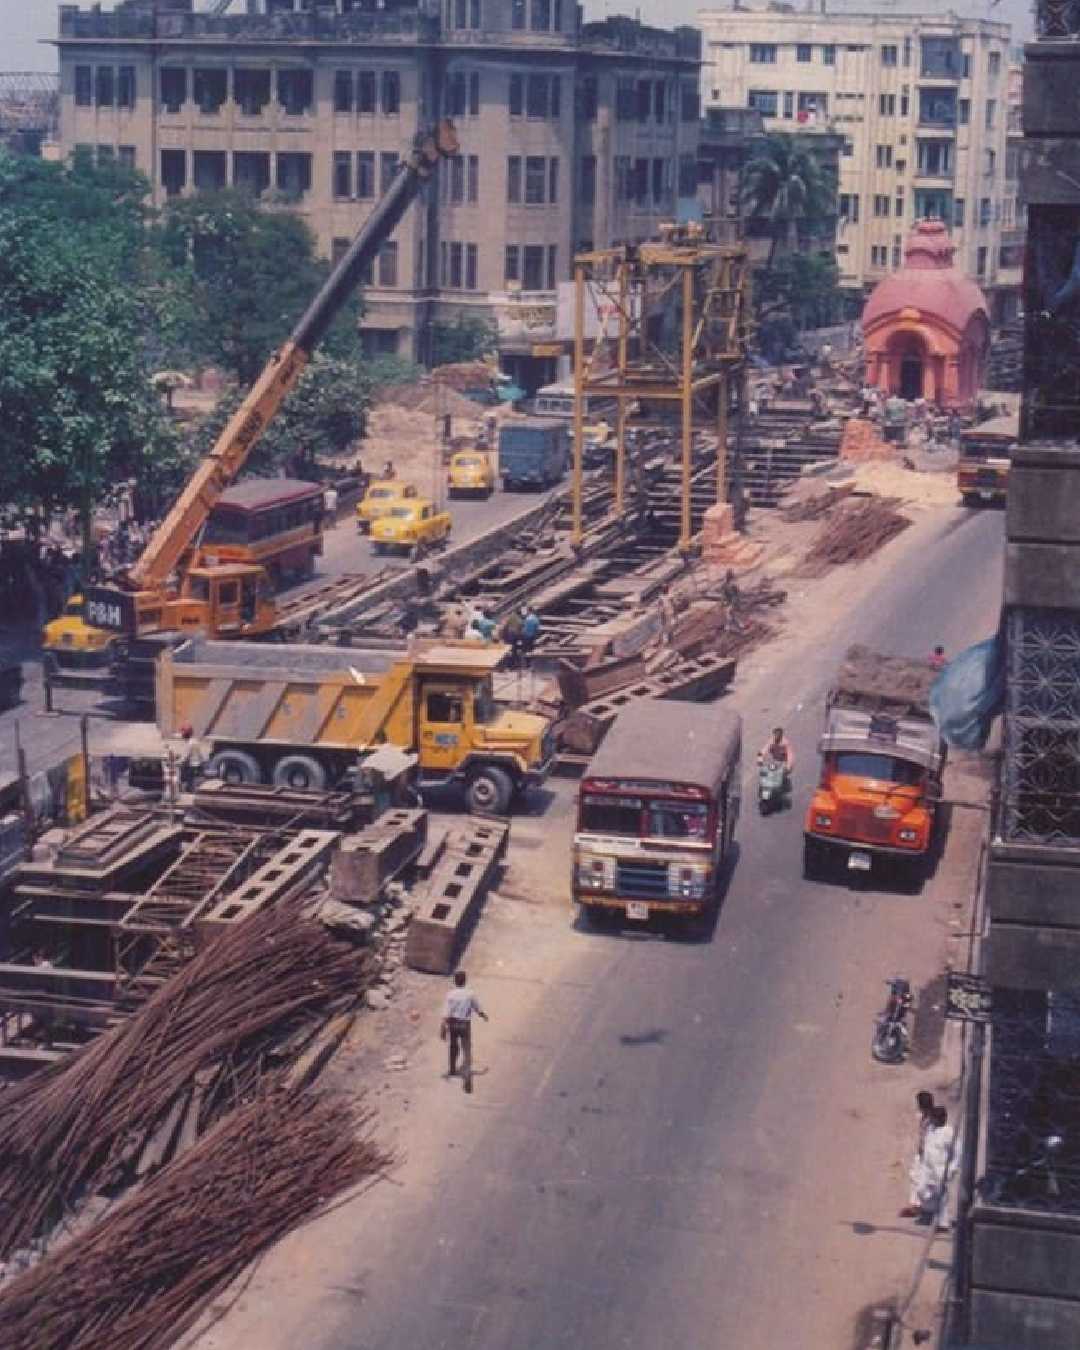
{"x": 467, "y": 338}
{"x": 786, "y": 183}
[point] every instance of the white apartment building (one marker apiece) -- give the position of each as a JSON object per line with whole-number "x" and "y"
{"x": 920, "y": 100}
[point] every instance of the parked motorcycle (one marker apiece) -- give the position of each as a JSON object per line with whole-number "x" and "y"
{"x": 774, "y": 785}
{"x": 892, "y": 1036}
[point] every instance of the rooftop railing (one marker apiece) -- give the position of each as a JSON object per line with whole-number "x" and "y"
{"x": 310, "y": 26}
{"x": 1057, "y": 19}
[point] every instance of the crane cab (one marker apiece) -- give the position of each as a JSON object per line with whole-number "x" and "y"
{"x": 227, "y": 600}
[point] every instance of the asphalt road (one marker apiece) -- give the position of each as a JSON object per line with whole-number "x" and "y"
{"x": 637, "y": 1167}
{"x": 49, "y": 739}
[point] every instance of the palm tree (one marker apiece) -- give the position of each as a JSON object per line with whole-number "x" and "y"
{"x": 784, "y": 183}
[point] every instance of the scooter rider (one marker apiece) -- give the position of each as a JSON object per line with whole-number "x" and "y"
{"x": 778, "y": 748}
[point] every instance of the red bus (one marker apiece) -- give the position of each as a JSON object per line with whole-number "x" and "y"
{"x": 276, "y": 523}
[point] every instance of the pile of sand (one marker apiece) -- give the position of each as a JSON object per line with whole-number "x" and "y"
{"x": 890, "y": 479}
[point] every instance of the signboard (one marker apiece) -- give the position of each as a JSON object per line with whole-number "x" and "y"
{"x": 968, "y": 998}
{"x": 547, "y": 349}
{"x": 110, "y": 609}
{"x": 601, "y": 310}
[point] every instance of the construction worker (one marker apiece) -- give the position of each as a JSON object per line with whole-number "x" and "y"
{"x": 190, "y": 759}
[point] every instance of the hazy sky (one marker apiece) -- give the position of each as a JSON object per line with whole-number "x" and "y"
{"x": 24, "y": 22}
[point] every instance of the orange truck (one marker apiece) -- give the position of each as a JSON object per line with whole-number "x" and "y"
{"x": 877, "y": 801}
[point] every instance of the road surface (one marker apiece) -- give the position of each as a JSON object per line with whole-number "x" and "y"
{"x": 49, "y": 739}
{"x": 665, "y": 1136}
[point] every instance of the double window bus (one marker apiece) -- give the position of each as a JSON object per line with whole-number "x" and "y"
{"x": 276, "y": 523}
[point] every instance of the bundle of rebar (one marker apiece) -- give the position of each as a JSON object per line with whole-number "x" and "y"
{"x": 855, "y": 532}
{"x": 817, "y": 506}
{"x": 141, "y": 1277}
{"x": 200, "y": 1044}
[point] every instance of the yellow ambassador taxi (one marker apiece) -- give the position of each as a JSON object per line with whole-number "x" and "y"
{"x": 410, "y": 525}
{"x": 470, "y": 471}
{"x": 381, "y": 497}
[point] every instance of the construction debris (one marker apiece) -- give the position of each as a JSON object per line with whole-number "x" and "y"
{"x": 813, "y": 505}
{"x": 141, "y": 1276}
{"x": 243, "y": 1007}
{"x": 855, "y": 531}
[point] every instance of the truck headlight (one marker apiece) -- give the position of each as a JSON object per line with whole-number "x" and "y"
{"x": 908, "y": 836}
{"x": 687, "y": 882}
{"x": 823, "y": 822}
{"x": 596, "y": 873}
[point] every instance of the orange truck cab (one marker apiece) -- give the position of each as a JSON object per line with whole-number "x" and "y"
{"x": 982, "y": 472}
{"x": 880, "y": 785}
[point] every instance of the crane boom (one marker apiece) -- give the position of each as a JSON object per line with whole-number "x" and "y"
{"x": 189, "y": 513}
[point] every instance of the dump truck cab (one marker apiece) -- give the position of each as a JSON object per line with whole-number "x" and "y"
{"x": 410, "y": 524}
{"x": 470, "y": 471}
{"x": 380, "y": 498}
{"x": 657, "y": 810}
{"x": 880, "y": 783}
{"x": 69, "y": 641}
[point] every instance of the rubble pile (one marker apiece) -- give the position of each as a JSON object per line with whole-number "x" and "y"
{"x": 855, "y": 532}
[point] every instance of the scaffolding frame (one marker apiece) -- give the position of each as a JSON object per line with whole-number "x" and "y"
{"x": 682, "y": 275}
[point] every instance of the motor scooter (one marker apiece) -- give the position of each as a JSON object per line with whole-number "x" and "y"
{"x": 774, "y": 784}
{"x": 891, "y": 1034}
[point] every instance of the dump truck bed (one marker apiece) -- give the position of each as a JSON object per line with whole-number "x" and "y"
{"x": 876, "y": 682}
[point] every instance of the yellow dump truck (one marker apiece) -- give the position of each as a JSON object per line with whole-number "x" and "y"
{"x": 304, "y": 717}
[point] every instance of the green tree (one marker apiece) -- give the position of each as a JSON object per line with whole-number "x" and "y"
{"x": 250, "y": 273}
{"x": 786, "y": 184}
{"x": 77, "y": 410}
{"x": 466, "y": 338}
{"x": 803, "y": 286}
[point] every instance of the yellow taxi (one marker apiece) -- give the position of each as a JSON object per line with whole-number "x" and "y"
{"x": 72, "y": 642}
{"x": 410, "y": 525}
{"x": 381, "y": 497}
{"x": 470, "y": 471}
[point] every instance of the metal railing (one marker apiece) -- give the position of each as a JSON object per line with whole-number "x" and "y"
{"x": 1057, "y": 19}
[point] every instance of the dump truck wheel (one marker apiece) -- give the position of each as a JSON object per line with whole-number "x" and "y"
{"x": 300, "y": 773}
{"x": 489, "y": 792}
{"x": 234, "y": 766}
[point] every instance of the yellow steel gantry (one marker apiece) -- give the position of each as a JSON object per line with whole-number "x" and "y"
{"x": 632, "y": 289}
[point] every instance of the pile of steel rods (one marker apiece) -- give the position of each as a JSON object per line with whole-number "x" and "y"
{"x": 855, "y": 532}
{"x": 196, "y": 1048}
{"x": 142, "y": 1276}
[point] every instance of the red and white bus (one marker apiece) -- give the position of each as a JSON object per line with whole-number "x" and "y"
{"x": 276, "y": 523}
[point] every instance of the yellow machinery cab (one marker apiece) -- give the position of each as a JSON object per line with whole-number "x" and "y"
{"x": 71, "y": 641}
{"x": 471, "y": 471}
{"x": 380, "y": 498}
{"x": 229, "y": 600}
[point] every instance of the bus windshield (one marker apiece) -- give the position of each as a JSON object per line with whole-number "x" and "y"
{"x": 881, "y": 768}
{"x": 676, "y": 820}
{"x": 226, "y": 527}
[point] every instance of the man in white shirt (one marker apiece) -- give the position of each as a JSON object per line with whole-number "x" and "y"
{"x": 456, "y": 1027}
{"x": 330, "y": 501}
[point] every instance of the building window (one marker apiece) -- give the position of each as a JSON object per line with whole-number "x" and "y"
{"x": 881, "y": 205}
{"x": 933, "y": 204}
{"x": 474, "y": 179}
{"x": 552, "y": 263}
{"x": 343, "y": 91}
{"x": 125, "y": 155}
{"x": 687, "y": 176}
{"x": 456, "y": 258}
{"x": 210, "y": 172}
{"x": 658, "y": 181}
{"x": 907, "y": 51}
{"x": 849, "y": 207}
{"x": 886, "y": 105}
{"x": 641, "y": 181}
{"x": 764, "y": 100}
{"x": 937, "y": 107}
{"x": 295, "y": 91}
{"x": 365, "y": 174}
{"x": 472, "y": 260}
{"x": 941, "y": 57}
{"x": 388, "y": 263}
{"x": 512, "y": 266}
{"x": 763, "y": 53}
{"x": 588, "y": 98}
{"x": 965, "y": 66}
{"x": 623, "y": 190}
{"x": 517, "y": 14}
{"x": 251, "y": 90}
{"x": 963, "y": 111}
{"x": 993, "y": 64}
{"x": 985, "y": 210}
{"x": 934, "y": 158}
{"x": 804, "y": 52}
{"x": 991, "y": 162}
{"x": 889, "y": 55}
{"x": 173, "y": 172}
{"x": 457, "y": 180}
{"x": 540, "y": 17}
{"x": 690, "y": 100}
{"x": 125, "y": 87}
{"x": 104, "y": 91}
{"x": 543, "y": 96}
{"x": 208, "y": 88}
{"x": 84, "y": 86}
{"x": 811, "y": 106}
{"x": 958, "y": 213}
{"x": 828, "y": 54}
{"x": 474, "y": 93}
{"x": 513, "y": 179}
{"x": 643, "y": 99}
{"x": 365, "y": 91}
{"x": 587, "y": 185}
{"x": 980, "y": 260}
{"x": 391, "y": 93}
{"x": 789, "y": 104}
{"x": 293, "y": 174}
{"x": 553, "y": 180}
{"x": 342, "y": 173}
{"x": 517, "y": 95}
{"x": 848, "y": 148}
{"x": 991, "y": 113}
{"x": 251, "y": 171}
{"x": 660, "y": 100}
{"x": 388, "y": 167}
{"x": 535, "y": 173}
{"x": 896, "y": 255}
{"x": 444, "y": 264}
{"x": 883, "y": 156}
{"x": 898, "y": 204}
{"x": 533, "y": 271}
{"x": 456, "y": 96}
{"x": 625, "y": 101}
{"x": 905, "y": 103}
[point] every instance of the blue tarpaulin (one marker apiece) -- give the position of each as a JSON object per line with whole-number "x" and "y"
{"x": 969, "y": 693}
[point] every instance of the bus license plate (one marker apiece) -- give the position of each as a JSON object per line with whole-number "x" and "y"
{"x": 859, "y": 862}
{"x": 636, "y": 910}
{"x": 986, "y": 494}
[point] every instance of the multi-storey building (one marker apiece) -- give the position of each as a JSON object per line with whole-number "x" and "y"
{"x": 572, "y": 135}
{"x": 920, "y": 100}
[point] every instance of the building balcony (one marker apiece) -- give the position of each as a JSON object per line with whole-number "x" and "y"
{"x": 405, "y": 26}
{"x": 1057, "y": 20}
{"x": 935, "y": 177}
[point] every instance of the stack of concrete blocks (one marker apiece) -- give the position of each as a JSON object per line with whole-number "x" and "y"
{"x": 451, "y": 902}
{"x": 366, "y": 861}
